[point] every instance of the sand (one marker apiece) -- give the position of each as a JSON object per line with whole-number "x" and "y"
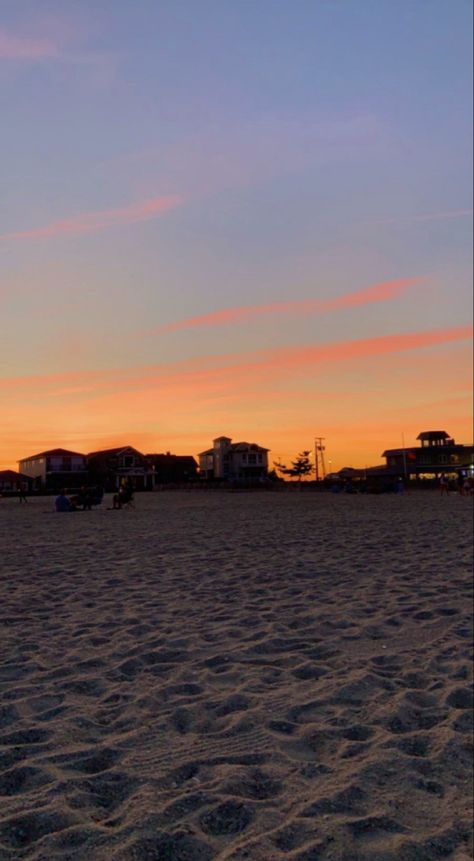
{"x": 215, "y": 675}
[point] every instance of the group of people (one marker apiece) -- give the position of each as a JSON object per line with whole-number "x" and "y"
{"x": 465, "y": 485}
{"x": 89, "y": 496}
{"x": 83, "y": 500}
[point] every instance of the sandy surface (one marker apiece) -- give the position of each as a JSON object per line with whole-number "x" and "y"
{"x": 218, "y": 675}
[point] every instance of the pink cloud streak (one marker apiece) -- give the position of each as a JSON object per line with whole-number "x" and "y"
{"x": 92, "y": 221}
{"x": 207, "y": 372}
{"x": 430, "y": 216}
{"x": 24, "y": 48}
{"x": 381, "y": 292}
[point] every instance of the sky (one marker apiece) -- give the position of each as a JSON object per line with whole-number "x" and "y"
{"x": 249, "y": 218}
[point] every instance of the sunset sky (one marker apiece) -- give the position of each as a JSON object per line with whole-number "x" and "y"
{"x": 239, "y": 217}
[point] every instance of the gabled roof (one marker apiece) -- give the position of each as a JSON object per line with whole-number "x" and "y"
{"x": 110, "y": 452}
{"x": 237, "y": 446}
{"x": 53, "y": 452}
{"x": 247, "y": 446}
{"x": 167, "y": 457}
{"x": 11, "y": 475}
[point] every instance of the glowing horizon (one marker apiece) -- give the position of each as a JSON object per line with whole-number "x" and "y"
{"x": 186, "y": 388}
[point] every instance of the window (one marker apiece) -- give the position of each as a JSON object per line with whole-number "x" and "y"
{"x": 260, "y": 458}
{"x": 252, "y": 458}
{"x": 128, "y": 460}
{"x": 244, "y": 458}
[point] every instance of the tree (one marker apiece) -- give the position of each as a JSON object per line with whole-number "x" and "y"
{"x": 272, "y": 476}
{"x": 299, "y": 467}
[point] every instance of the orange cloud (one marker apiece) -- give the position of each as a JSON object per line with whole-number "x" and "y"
{"x": 376, "y": 293}
{"x": 91, "y": 221}
{"x": 357, "y": 394}
{"x": 346, "y": 350}
{"x": 24, "y": 48}
{"x": 210, "y": 373}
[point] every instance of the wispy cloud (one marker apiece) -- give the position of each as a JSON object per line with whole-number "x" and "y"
{"x": 381, "y": 292}
{"x": 209, "y": 371}
{"x": 189, "y": 400}
{"x": 14, "y": 47}
{"x": 88, "y": 222}
{"x": 429, "y": 216}
{"x": 368, "y": 347}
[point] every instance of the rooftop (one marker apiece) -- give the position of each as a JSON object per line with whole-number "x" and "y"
{"x": 53, "y": 452}
{"x": 11, "y": 475}
{"x": 433, "y": 434}
{"x": 108, "y": 452}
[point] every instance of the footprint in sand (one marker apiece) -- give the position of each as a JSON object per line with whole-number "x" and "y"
{"x": 230, "y": 817}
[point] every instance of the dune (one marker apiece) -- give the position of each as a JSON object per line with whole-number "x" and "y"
{"x": 258, "y": 676}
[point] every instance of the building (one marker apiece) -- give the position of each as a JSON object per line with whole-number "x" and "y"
{"x": 172, "y": 468}
{"x": 110, "y": 467}
{"x": 233, "y": 460}
{"x": 437, "y": 453}
{"x": 12, "y": 482}
{"x": 58, "y": 467}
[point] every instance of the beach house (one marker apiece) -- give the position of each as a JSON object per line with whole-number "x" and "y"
{"x": 438, "y": 452}
{"x": 111, "y": 466}
{"x": 172, "y": 468}
{"x": 58, "y": 467}
{"x": 233, "y": 460}
{"x": 12, "y": 482}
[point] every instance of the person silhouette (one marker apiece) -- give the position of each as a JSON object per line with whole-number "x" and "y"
{"x": 444, "y": 484}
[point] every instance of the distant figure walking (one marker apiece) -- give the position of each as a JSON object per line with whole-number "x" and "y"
{"x": 21, "y": 494}
{"x": 444, "y": 485}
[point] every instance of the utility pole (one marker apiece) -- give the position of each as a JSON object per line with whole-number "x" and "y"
{"x": 319, "y": 449}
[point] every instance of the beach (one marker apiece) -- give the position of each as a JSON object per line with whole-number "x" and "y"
{"x": 237, "y": 675}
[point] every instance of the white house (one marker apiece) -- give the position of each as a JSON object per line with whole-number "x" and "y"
{"x": 233, "y": 460}
{"x": 51, "y": 469}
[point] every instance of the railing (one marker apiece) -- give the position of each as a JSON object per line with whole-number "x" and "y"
{"x": 66, "y": 467}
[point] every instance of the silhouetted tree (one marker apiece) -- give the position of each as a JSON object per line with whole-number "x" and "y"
{"x": 273, "y": 476}
{"x": 299, "y": 467}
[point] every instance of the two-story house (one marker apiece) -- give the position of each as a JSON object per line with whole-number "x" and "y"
{"x": 56, "y": 468}
{"x": 233, "y": 460}
{"x": 172, "y": 468}
{"x": 110, "y": 467}
{"x": 437, "y": 453}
